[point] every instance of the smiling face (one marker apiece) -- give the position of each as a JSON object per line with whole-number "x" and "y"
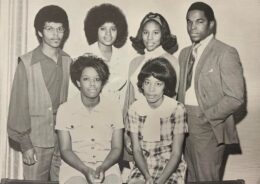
{"x": 153, "y": 91}
{"x": 52, "y": 34}
{"x": 151, "y": 35}
{"x": 90, "y": 83}
{"x": 198, "y": 25}
{"x": 107, "y": 34}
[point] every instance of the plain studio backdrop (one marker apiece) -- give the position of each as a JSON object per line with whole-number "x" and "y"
{"x": 238, "y": 24}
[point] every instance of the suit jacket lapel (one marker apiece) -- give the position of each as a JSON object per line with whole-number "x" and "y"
{"x": 183, "y": 74}
{"x": 202, "y": 61}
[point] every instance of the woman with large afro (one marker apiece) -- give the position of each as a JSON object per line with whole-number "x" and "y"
{"x": 106, "y": 32}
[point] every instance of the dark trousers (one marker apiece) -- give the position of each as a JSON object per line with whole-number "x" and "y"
{"x": 47, "y": 167}
{"x": 202, "y": 153}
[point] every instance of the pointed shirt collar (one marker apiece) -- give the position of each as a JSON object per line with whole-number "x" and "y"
{"x": 78, "y": 107}
{"x": 205, "y": 42}
{"x": 39, "y": 56}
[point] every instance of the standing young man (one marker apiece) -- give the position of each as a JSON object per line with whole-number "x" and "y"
{"x": 40, "y": 85}
{"x": 212, "y": 89}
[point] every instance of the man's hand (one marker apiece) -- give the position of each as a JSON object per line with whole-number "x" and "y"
{"x": 203, "y": 117}
{"x": 29, "y": 157}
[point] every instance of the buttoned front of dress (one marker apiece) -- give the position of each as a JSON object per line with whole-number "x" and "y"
{"x": 90, "y": 131}
{"x": 91, "y": 136}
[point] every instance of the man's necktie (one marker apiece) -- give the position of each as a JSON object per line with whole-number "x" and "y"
{"x": 192, "y": 59}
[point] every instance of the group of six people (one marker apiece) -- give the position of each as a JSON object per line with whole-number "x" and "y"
{"x": 171, "y": 118}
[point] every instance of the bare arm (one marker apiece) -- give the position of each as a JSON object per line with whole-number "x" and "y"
{"x": 139, "y": 157}
{"x": 71, "y": 158}
{"x": 173, "y": 163}
{"x": 116, "y": 149}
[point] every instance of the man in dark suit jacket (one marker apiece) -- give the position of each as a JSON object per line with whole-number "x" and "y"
{"x": 216, "y": 91}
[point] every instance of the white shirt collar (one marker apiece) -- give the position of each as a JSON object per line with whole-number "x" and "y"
{"x": 205, "y": 42}
{"x": 78, "y": 106}
{"x": 99, "y": 54}
{"x": 155, "y": 53}
{"x": 165, "y": 109}
{"x": 153, "y": 116}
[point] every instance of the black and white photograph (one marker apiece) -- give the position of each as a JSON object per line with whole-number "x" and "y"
{"x": 129, "y": 92}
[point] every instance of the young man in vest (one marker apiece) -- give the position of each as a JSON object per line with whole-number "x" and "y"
{"x": 40, "y": 85}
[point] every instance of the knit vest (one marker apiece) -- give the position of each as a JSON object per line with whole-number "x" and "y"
{"x": 42, "y": 132}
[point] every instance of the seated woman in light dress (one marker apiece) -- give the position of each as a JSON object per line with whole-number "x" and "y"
{"x": 157, "y": 126}
{"x": 90, "y": 128}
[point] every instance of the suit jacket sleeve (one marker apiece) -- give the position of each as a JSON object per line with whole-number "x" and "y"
{"x": 232, "y": 84}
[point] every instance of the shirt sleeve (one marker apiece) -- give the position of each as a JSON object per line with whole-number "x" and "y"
{"x": 62, "y": 118}
{"x": 117, "y": 116}
{"x": 19, "y": 123}
{"x": 181, "y": 125}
